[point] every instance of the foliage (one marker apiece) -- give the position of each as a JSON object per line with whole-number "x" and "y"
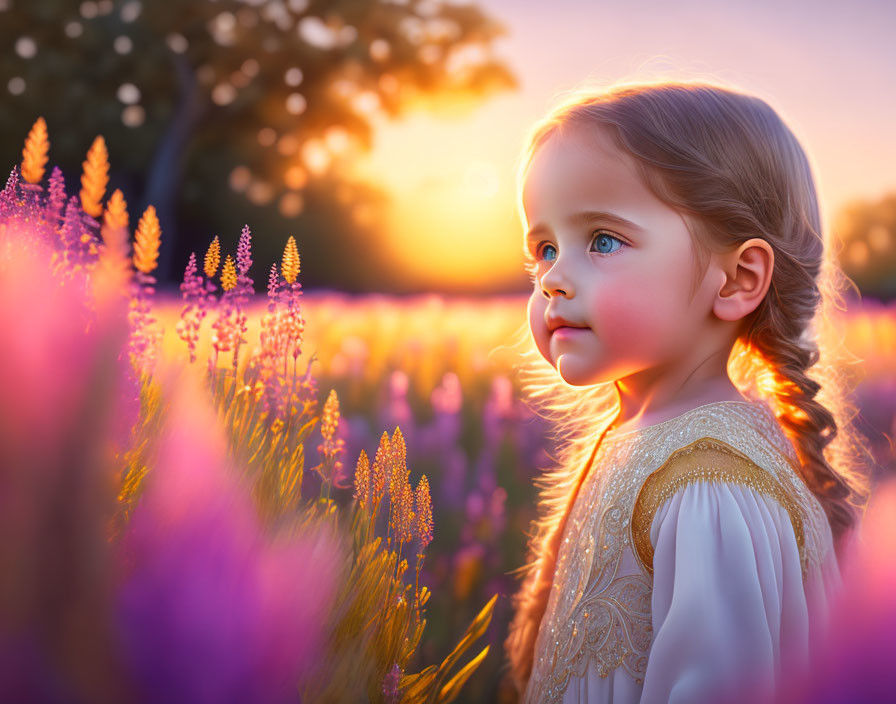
{"x": 271, "y": 91}
{"x": 171, "y": 497}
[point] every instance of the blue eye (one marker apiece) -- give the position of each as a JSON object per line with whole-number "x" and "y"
{"x": 605, "y": 244}
{"x": 542, "y": 249}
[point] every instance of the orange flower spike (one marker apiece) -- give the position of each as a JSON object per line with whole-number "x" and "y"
{"x": 378, "y": 473}
{"x": 116, "y": 215}
{"x": 424, "y": 511}
{"x": 398, "y": 463}
{"x": 34, "y": 155}
{"x": 399, "y": 449}
{"x": 228, "y": 274}
{"x": 362, "y": 480}
{"x": 95, "y": 178}
{"x": 291, "y": 265}
{"x": 146, "y": 241}
{"x": 406, "y": 517}
{"x": 212, "y": 258}
{"x": 330, "y": 421}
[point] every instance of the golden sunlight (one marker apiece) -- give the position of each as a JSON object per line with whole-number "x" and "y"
{"x": 450, "y": 222}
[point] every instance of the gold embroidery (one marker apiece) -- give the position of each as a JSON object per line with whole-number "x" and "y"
{"x": 598, "y": 609}
{"x": 707, "y": 459}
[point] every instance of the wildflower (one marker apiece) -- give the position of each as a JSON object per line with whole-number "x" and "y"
{"x": 331, "y": 447}
{"x": 362, "y": 480}
{"x": 71, "y": 236}
{"x": 398, "y": 460}
{"x": 34, "y": 155}
{"x": 244, "y": 290}
{"x": 56, "y": 198}
{"x": 146, "y": 241}
{"x": 269, "y": 359}
{"x": 95, "y": 178}
{"x": 378, "y": 473}
{"x": 291, "y": 263}
{"x": 212, "y": 258}
{"x": 9, "y": 196}
{"x": 226, "y": 326}
{"x": 424, "y": 512}
{"x": 401, "y": 516}
{"x": 144, "y": 337}
{"x": 228, "y": 275}
{"x": 114, "y": 253}
{"x": 390, "y": 684}
{"x": 194, "y": 309}
{"x": 116, "y": 214}
{"x": 244, "y": 259}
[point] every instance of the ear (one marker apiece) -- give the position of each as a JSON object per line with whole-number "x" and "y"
{"x": 748, "y": 275}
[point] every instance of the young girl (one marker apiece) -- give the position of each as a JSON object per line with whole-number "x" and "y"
{"x": 687, "y": 541}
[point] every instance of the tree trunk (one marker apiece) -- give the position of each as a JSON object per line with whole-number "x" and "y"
{"x": 166, "y": 172}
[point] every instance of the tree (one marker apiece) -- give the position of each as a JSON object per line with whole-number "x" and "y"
{"x": 263, "y": 95}
{"x": 867, "y": 231}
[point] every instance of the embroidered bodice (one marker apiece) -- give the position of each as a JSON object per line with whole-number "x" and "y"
{"x": 599, "y": 607}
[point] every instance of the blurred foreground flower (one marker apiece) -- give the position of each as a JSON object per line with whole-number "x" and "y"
{"x": 214, "y": 608}
{"x": 155, "y": 542}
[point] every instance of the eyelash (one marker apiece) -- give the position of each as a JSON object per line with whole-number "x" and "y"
{"x": 599, "y": 233}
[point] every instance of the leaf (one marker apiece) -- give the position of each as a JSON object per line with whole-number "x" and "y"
{"x": 450, "y": 691}
{"x": 414, "y": 687}
{"x": 474, "y": 632}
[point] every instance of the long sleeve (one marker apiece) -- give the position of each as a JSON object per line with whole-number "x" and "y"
{"x": 728, "y": 601}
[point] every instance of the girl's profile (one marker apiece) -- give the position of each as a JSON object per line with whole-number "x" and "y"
{"x": 707, "y": 474}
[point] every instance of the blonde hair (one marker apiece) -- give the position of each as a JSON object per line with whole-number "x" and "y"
{"x": 735, "y": 171}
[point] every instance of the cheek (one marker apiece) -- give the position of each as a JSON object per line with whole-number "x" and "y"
{"x": 640, "y": 317}
{"x": 535, "y": 312}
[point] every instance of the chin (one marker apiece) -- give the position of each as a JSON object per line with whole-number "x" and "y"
{"x": 574, "y": 375}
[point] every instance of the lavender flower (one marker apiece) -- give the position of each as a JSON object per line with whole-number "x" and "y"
{"x": 56, "y": 198}
{"x": 390, "y": 684}
{"x": 193, "y": 291}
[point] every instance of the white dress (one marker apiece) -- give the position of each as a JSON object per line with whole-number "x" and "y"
{"x": 695, "y": 562}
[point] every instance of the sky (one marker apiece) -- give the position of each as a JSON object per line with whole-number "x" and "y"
{"x": 828, "y": 68}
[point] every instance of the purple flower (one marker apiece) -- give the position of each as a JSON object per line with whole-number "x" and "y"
{"x": 56, "y": 198}
{"x": 244, "y": 253}
{"x": 9, "y": 195}
{"x": 213, "y": 608}
{"x": 390, "y": 684}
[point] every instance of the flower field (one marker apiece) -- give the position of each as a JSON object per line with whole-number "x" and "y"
{"x": 249, "y": 492}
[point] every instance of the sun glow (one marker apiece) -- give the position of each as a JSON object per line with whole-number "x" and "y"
{"x": 450, "y": 221}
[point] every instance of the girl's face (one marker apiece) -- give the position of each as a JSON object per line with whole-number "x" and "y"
{"x": 625, "y": 285}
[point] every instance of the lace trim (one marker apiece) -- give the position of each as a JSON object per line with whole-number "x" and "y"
{"x": 706, "y": 459}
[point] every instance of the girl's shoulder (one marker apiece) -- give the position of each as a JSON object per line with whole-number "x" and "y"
{"x": 727, "y": 443}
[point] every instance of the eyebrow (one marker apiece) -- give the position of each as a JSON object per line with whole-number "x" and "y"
{"x": 586, "y": 216}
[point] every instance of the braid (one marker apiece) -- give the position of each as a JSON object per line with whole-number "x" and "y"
{"x": 778, "y": 335}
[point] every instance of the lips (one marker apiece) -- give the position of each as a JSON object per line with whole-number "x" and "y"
{"x": 565, "y": 330}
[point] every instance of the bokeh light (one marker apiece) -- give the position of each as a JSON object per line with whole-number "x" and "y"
{"x": 123, "y": 44}
{"x": 16, "y": 85}
{"x": 128, "y": 93}
{"x": 296, "y": 103}
{"x": 266, "y": 136}
{"x": 293, "y": 76}
{"x": 133, "y": 115}
{"x": 315, "y": 156}
{"x": 291, "y": 205}
{"x": 295, "y": 177}
{"x": 260, "y": 192}
{"x": 26, "y": 47}
{"x": 240, "y": 178}
{"x": 224, "y": 94}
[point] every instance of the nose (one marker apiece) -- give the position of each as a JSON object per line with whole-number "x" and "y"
{"x": 556, "y": 283}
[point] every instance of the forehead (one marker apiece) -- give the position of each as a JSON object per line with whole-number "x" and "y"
{"x": 579, "y": 170}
